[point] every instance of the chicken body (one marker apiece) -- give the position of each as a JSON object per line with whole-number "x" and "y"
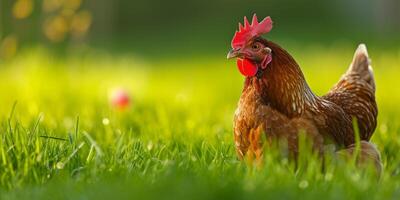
{"x": 278, "y": 103}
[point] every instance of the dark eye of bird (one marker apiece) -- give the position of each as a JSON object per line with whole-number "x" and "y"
{"x": 255, "y": 46}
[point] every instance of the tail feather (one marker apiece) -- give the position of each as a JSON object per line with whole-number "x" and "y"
{"x": 355, "y": 93}
{"x": 361, "y": 66}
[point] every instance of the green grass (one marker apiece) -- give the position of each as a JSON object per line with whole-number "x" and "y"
{"x": 175, "y": 141}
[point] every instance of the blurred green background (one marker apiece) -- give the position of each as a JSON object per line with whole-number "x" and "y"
{"x": 179, "y": 27}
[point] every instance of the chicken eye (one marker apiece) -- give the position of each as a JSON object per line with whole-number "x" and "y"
{"x": 255, "y": 46}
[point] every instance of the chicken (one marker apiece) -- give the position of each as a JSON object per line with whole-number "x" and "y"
{"x": 276, "y": 101}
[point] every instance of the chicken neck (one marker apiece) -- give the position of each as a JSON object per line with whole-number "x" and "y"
{"x": 282, "y": 84}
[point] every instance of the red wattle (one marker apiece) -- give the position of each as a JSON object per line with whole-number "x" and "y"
{"x": 246, "y": 67}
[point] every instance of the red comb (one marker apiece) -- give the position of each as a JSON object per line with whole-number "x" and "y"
{"x": 249, "y": 31}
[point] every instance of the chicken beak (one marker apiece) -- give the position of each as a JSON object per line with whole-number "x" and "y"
{"x": 233, "y": 53}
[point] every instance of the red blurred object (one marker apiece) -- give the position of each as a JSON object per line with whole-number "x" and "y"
{"x": 120, "y": 99}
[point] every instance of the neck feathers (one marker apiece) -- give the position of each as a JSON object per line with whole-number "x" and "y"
{"x": 284, "y": 86}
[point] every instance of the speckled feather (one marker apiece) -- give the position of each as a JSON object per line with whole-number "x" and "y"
{"x": 280, "y": 104}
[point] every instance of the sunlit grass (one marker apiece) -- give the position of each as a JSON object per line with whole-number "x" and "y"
{"x": 64, "y": 140}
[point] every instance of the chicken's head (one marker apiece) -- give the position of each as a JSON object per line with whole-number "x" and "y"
{"x": 252, "y": 53}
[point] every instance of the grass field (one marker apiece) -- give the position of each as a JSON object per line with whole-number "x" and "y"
{"x": 61, "y": 139}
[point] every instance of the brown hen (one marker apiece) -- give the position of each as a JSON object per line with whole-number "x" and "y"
{"x": 277, "y": 102}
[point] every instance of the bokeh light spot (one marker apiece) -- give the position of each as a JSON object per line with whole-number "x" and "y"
{"x": 80, "y": 23}
{"x": 51, "y": 5}
{"x": 72, "y": 4}
{"x": 8, "y": 47}
{"x": 56, "y": 28}
{"x": 22, "y": 9}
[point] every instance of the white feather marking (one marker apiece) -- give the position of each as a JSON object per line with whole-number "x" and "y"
{"x": 238, "y": 133}
{"x": 237, "y": 144}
